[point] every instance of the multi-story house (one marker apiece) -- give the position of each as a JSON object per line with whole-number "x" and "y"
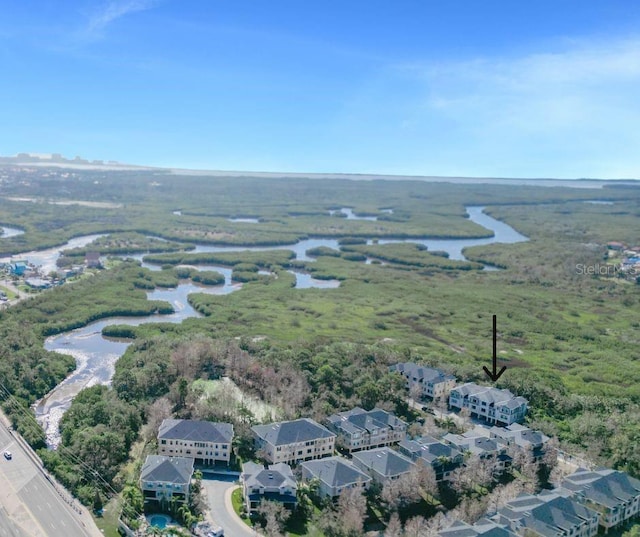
{"x": 614, "y": 494}
{"x": 163, "y": 479}
{"x": 443, "y": 458}
{"x": 493, "y": 405}
{"x": 383, "y": 464}
{"x": 431, "y": 382}
{"x": 477, "y": 443}
{"x": 548, "y": 514}
{"x": 204, "y": 441}
{"x": 294, "y": 441}
{"x": 359, "y": 429}
{"x": 524, "y": 437}
{"x": 334, "y": 475}
{"x": 275, "y": 483}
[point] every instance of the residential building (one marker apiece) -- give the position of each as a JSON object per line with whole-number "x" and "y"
{"x": 499, "y": 407}
{"x": 294, "y": 441}
{"x": 383, "y": 464}
{"x": 482, "y": 528}
{"x": 359, "y": 429}
{"x": 163, "y": 479}
{"x": 204, "y": 441}
{"x": 477, "y": 443}
{"x": 334, "y": 475}
{"x": 431, "y": 382}
{"x": 274, "y": 483}
{"x": 443, "y": 458}
{"x": 523, "y": 437}
{"x": 614, "y": 494}
{"x": 548, "y": 514}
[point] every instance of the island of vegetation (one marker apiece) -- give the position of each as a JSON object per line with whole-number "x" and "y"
{"x": 568, "y": 336}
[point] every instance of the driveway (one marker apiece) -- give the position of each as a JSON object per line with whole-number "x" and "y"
{"x": 219, "y": 491}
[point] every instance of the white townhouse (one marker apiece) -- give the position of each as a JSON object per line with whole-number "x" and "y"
{"x": 294, "y": 441}
{"x": 499, "y": 407}
{"x": 204, "y": 441}
{"x": 359, "y": 429}
{"x": 433, "y": 383}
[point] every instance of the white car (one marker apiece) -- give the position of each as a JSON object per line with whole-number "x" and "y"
{"x": 7, "y": 455}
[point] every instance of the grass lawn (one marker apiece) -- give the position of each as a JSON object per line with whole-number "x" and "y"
{"x": 108, "y": 522}
{"x": 236, "y": 500}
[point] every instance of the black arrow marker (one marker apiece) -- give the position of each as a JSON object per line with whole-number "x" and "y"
{"x": 495, "y": 375}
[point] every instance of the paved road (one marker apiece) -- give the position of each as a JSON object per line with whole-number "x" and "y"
{"x": 7, "y": 527}
{"x": 30, "y": 503}
{"x": 219, "y": 500}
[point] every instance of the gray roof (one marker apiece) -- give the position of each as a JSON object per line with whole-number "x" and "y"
{"x": 290, "y": 432}
{"x": 336, "y": 471}
{"x": 422, "y": 373}
{"x": 384, "y": 461}
{"x": 274, "y": 476}
{"x": 482, "y": 528}
{"x": 519, "y": 435}
{"x": 490, "y": 395}
{"x": 478, "y": 445}
{"x": 158, "y": 468}
{"x": 604, "y": 486}
{"x": 548, "y": 513}
{"x": 196, "y": 431}
{"x": 428, "y": 448}
{"x": 359, "y": 420}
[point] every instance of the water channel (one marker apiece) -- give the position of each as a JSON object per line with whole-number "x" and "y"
{"x": 96, "y": 356}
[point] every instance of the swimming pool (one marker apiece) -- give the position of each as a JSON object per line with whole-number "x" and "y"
{"x": 159, "y": 521}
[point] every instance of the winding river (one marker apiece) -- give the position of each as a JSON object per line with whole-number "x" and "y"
{"x": 96, "y": 356}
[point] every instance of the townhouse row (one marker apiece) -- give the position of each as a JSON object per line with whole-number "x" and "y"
{"x": 495, "y": 406}
{"x": 585, "y": 502}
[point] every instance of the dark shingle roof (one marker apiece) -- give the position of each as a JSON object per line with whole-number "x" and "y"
{"x": 384, "y": 461}
{"x": 336, "y": 471}
{"x": 421, "y": 372}
{"x": 196, "y": 431}
{"x": 158, "y": 468}
{"x": 358, "y": 420}
{"x": 275, "y": 476}
{"x": 290, "y": 432}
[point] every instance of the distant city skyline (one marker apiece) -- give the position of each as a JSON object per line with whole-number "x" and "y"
{"x": 470, "y": 89}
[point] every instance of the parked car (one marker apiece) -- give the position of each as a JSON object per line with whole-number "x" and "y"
{"x": 7, "y": 455}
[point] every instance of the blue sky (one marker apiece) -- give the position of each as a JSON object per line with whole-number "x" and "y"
{"x": 471, "y": 88}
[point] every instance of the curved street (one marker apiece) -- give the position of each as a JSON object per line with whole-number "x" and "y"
{"x": 218, "y": 492}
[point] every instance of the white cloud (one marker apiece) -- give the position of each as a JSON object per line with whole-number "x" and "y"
{"x": 574, "y": 111}
{"x": 112, "y": 11}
